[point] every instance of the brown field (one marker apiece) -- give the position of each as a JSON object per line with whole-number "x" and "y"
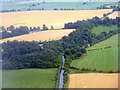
{"x": 114, "y": 15}
{"x": 93, "y": 80}
{"x": 42, "y": 35}
{"x": 54, "y": 18}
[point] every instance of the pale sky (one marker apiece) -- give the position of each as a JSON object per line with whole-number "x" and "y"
{"x": 79, "y": 0}
{"x": 71, "y": 0}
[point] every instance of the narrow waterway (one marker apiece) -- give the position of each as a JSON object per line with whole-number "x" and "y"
{"x": 62, "y": 73}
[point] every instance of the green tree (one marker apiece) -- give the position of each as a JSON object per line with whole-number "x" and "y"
{"x": 44, "y": 27}
{"x": 52, "y": 27}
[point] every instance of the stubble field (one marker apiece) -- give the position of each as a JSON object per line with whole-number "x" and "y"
{"x": 93, "y": 80}
{"x": 54, "y": 18}
{"x": 41, "y": 36}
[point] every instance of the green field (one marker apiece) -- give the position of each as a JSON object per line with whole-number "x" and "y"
{"x": 29, "y": 78}
{"x": 24, "y": 5}
{"x": 0, "y": 79}
{"x": 101, "y": 60}
{"x": 112, "y": 41}
{"x": 99, "y": 29}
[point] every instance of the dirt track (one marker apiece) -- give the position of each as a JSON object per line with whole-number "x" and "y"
{"x": 93, "y": 80}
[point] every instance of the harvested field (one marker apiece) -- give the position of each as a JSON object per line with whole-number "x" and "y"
{"x": 114, "y": 15}
{"x": 42, "y": 35}
{"x": 54, "y": 18}
{"x": 93, "y": 80}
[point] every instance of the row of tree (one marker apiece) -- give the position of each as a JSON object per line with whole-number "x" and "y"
{"x": 24, "y": 9}
{"x": 63, "y": 9}
{"x": 90, "y": 23}
{"x": 31, "y": 9}
{"x": 110, "y": 6}
{"x": 12, "y": 31}
{"x": 17, "y": 55}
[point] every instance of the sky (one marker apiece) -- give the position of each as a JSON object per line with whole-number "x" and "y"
{"x": 79, "y": 0}
{"x": 73, "y": 0}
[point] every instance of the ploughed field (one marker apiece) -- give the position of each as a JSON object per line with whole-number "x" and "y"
{"x": 41, "y": 35}
{"x": 55, "y": 18}
{"x": 29, "y": 78}
{"x": 100, "y": 58}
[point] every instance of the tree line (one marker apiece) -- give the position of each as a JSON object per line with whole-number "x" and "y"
{"x": 90, "y": 23}
{"x": 19, "y": 10}
{"x": 16, "y": 31}
{"x": 24, "y": 54}
{"x": 29, "y": 8}
{"x": 12, "y": 31}
{"x": 110, "y": 6}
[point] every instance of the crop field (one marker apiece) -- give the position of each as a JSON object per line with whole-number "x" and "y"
{"x": 93, "y": 80}
{"x": 104, "y": 59}
{"x": 99, "y": 29}
{"x": 29, "y": 78}
{"x": 42, "y": 35}
{"x": 114, "y": 15}
{"x": 55, "y": 18}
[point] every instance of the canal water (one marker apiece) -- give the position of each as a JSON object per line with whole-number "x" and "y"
{"x": 62, "y": 73}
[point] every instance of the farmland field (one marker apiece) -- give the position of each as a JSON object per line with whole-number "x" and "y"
{"x": 93, "y": 80}
{"x": 55, "y": 18}
{"x": 42, "y": 35}
{"x": 99, "y": 29}
{"x": 102, "y": 59}
{"x": 112, "y": 41}
{"x": 29, "y": 78}
{"x": 0, "y": 78}
{"x": 114, "y": 15}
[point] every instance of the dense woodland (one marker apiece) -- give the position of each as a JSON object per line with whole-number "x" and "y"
{"x": 24, "y": 54}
